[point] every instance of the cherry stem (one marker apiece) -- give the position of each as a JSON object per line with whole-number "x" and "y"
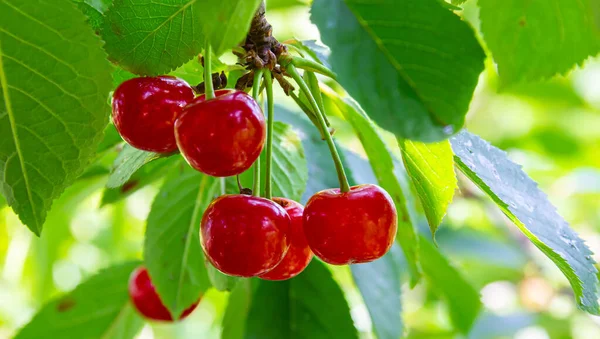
{"x": 312, "y": 66}
{"x": 339, "y": 167}
{"x": 256, "y": 171}
{"x": 270, "y": 116}
{"x": 208, "y": 84}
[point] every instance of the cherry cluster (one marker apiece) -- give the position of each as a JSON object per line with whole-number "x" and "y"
{"x": 244, "y": 235}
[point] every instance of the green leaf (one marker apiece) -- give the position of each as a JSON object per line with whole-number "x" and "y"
{"x": 412, "y": 65}
{"x": 379, "y": 283}
{"x": 321, "y": 170}
{"x": 150, "y": 37}
{"x": 2, "y": 201}
{"x": 536, "y": 39}
{"x": 311, "y": 305}
{"x": 98, "y": 308}
{"x": 172, "y": 251}
{"x": 384, "y": 169}
{"x": 462, "y": 299}
{"x": 431, "y": 170}
{"x": 144, "y": 176}
{"x": 54, "y": 79}
{"x": 111, "y": 139}
{"x": 225, "y": 23}
{"x": 127, "y": 163}
{"x": 219, "y": 280}
{"x": 528, "y": 207}
{"x": 289, "y": 168}
{"x": 238, "y": 305}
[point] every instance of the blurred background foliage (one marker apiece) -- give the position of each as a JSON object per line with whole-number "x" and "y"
{"x": 551, "y": 128}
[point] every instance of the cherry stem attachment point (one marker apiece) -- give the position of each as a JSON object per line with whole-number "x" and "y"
{"x": 208, "y": 84}
{"x": 270, "y": 122}
{"x": 339, "y": 167}
{"x": 256, "y": 171}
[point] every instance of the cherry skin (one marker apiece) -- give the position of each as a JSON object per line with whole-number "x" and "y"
{"x": 222, "y": 136}
{"x": 357, "y": 226}
{"x": 243, "y": 235}
{"x": 299, "y": 255}
{"x": 146, "y": 300}
{"x": 144, "y": 111}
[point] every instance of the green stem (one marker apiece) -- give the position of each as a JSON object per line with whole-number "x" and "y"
{"x": 310, "y": 114}
{"x": 312, "y": 66}
{"x": 344, "y": 186}
{"x": 270, "y": 115}
{"x": 208, "y": 84}
{"x": 256, "y": 171}
{"x": 223, "y": 190}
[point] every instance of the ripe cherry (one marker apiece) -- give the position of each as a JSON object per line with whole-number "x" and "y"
{"x": 353, "y": 227}
{"x": 299, "y": 255}
{"x": 222, "y": 136}
{"x": 146, "y": 300}
{"x": 243, "y": 235}
{"x": 144, "y": 111}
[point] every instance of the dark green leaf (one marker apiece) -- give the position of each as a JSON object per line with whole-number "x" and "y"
{"x": 172, "y": 251}
{"x": 462, "y": 298}
{"x": 528, "y": 207}
{"x": 153, "y": 37}
{"x": 55, "y": 80}
{"x": 379, "y": 283}
{"x": 412, "y": 65}
{"x": 127, "y": 163}
{"x": 225, "y": 23}
{"x": 98, "y": 308}
{"x": 431, "y": 170}
{"x": 536, "y": 39}
{"x": 238, "y": 305}
{"x": 310, "y": 305}
{"x": 383, "y": 167}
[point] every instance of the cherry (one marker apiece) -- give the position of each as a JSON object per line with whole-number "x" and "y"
{"x": 353, "y": 227}
{"x": 243, "y": 235}
{"x": 299, "y": 255}
{"x": 222, "y": 136}
{"x": 144, "y": 111}
{"x": 146, "y": 300}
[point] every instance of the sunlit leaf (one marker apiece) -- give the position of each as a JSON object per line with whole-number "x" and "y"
{"x": 536, "y": 39}
{"x": 528, "y": 207}
{"x": 412, "y": 65}
{"x": 172, "y": 251}
{"x": 431, "y": 170}
{"x": 55, "y": 80}
{"x": 153, "y": 37}
{"x": 98, "y": 308}
{"x": 225, "y": 23}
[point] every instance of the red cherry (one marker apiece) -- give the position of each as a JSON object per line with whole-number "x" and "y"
{"x": 353, "y": 227}
{"x": 299, "y": 255}
{"x": 146, "y": 300}
{"x": 222, "y": 136}
{"x": 244, "y": 236}
{"x": 144, "y": 111}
